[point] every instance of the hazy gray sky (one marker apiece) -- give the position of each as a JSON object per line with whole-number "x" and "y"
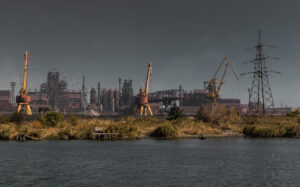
{"x": 185, "y": 40}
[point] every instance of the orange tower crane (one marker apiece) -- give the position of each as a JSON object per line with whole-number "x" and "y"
{"x": 23, "y": 100}
{"x": 212, "y": 87}
{"x": 143, "y": 107}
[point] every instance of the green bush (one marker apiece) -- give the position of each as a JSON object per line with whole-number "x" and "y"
{"x": 165, "y": 131}
{"x": 175, "y": 113}
{"x": 51, "y": 119}
{"x": 293, "y": 114}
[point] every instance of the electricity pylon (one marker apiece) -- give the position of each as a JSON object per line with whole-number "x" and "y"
{"x": 261, "y": 100}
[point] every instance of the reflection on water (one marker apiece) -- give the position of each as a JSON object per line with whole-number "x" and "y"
{"x": 150, "y": 162}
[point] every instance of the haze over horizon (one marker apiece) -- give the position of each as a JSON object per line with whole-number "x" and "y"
{"x": 185, "y": 40}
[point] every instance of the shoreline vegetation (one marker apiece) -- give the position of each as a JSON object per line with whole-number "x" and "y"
{"x": 222, "y": 123}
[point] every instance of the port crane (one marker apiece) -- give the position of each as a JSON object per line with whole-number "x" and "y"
{"x": 213, "y": 89}
{"x": 143, "y": 107}
{"x": 23, "y": 100}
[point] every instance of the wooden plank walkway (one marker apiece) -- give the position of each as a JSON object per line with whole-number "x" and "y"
{"x": 23, "y": 137}
{"x": 106, "y": 136}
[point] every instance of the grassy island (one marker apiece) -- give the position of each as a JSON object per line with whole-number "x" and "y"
{"x": 55, "y": 126}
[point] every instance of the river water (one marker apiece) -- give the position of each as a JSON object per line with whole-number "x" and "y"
{"x": 150, "y": 162}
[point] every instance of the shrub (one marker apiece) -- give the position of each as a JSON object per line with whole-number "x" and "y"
{"x": 73, "y": 119}
{"x": 17, "y": 118}
{"x": 250, "y": 120}
{"x": 4, "y": 119}
{"x": 51, "y": 119}
{"x": 113, "y": 129}
{"x": 126, "y": 131}
{"x": 271, "y": 130}
{"x": 293, "y": 114}
{"x": 233, "y": 115}
{"x": 5, "y": 134}
{"x": 84, "y": 132}
{"x": 201, "y": 115}
{"x": 132, "y": 132}
{"x": 165, "y": 131}
{"x": 214, "y": 113}
{"x": 37, "y": 125}
{"x": 175, "y": 113}
{"x": 65, "y": 131}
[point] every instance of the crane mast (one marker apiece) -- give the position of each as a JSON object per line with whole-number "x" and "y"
{"x": 143, "y": 107}
{"x": 149, "y": 73}
{"x": 24, "y": 88}
{"x": 24, "y": 99}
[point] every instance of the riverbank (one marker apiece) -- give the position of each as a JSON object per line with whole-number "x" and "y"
{"x": 129, "y": 128}
{"x": 73, "y": 127}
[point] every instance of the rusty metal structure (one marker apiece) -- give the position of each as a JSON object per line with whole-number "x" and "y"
{"x": 167, "y": 98}
{"x": 213, "y": 88}
{"x": 127, "y": 93}
{"x": 143, "y": 107}
{"x": 127, "y": 99}
{"x": 260, "y": 95}
{"x": 58, "y": 97}
{"x": 188, "y": 101}
{"x": 23, "y": 100}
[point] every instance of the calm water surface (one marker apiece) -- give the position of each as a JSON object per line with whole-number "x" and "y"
{"x": 150, "y": 162}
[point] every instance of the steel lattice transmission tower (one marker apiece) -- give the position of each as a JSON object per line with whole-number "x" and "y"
{"x": 260, "y": 95}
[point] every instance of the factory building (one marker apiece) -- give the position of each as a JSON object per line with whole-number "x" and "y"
{"x": 59, "y": 98}
{"x": 5, "y": 101}
{"x": 55, "y": 95}
{"x": 189, "y": 101}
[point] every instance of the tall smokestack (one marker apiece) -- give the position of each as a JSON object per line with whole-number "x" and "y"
{"x": 83, "y": 83}
{"x": 99, "y": 95}
{"x": 180, "y": 95}
{"x": 120, "y": 82}
{"x": 119, "y": 96}
{"x": 83, "y": 88}
{"x": 93, "y": 97}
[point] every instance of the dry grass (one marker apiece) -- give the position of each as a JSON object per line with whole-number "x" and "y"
{"x": 272, "y": 127}
{"x": 223, "y": 123}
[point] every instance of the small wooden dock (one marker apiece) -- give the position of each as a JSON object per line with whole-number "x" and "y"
{"x": 99, "y": 134}
{"x": 23, "y": 137}
{"x": 106, "y": 136}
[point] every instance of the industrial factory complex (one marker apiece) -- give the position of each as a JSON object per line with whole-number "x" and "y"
{"x": 54, "y": 95}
